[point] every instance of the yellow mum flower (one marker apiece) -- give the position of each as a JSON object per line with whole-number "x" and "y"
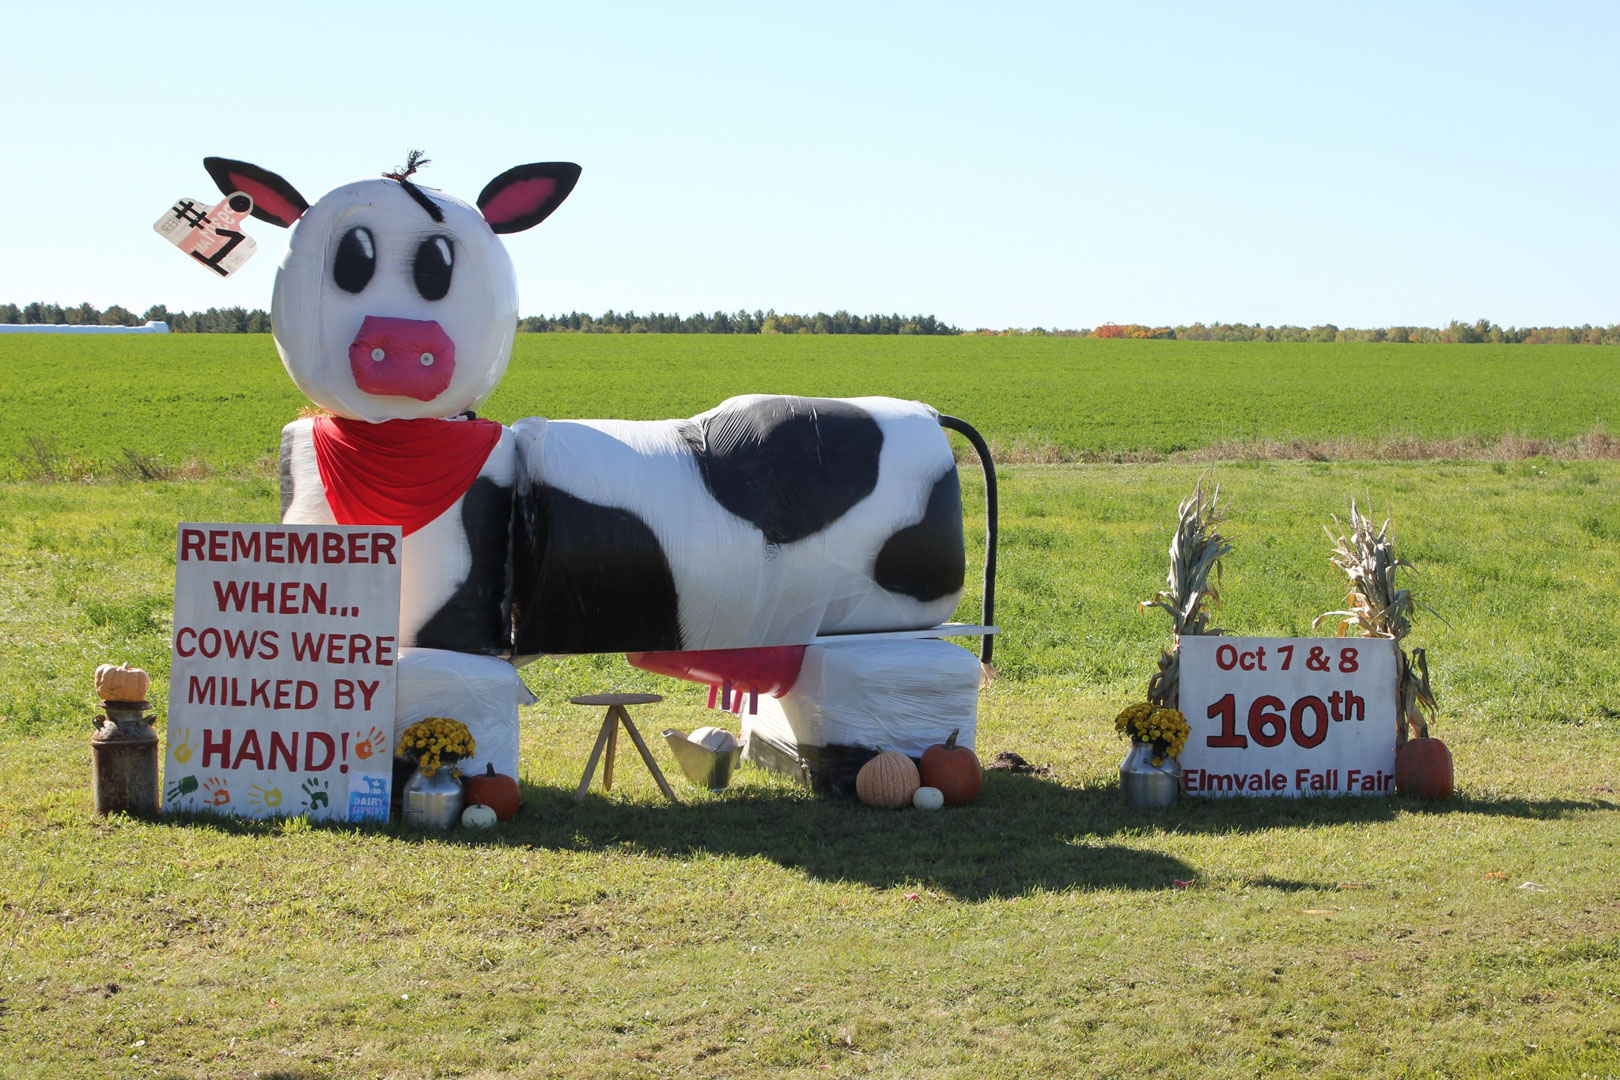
{"x": 435, "y": 741}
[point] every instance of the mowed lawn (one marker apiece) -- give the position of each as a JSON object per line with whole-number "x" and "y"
{"x": 1046, "y": 930}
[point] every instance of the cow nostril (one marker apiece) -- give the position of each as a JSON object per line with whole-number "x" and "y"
{"x": 377, "y": 355}
{"x": 427, "y": 359}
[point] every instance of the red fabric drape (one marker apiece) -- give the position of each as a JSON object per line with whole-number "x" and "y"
{"x": 399, "y": 472}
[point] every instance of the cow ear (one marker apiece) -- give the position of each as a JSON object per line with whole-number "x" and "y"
{"x": 521, "y": 198}
{"x": 274, "y": 200}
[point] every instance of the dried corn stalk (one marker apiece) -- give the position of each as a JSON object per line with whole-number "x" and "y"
{"x": 1375, "y": 607}
{"x": 1196, "y": 550}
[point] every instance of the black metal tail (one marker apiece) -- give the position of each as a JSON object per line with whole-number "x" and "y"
{"x": 965, "y": 429}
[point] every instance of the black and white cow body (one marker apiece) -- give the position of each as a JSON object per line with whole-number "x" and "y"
{"x": 765, "y": 521}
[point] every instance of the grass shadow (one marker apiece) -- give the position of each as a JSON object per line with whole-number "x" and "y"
{"x": 1025, "y": 834}
{"x": 1019, "y": 838}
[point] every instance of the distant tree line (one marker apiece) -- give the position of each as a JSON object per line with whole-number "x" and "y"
{"x": 235, "y": 320}
{"x": 1454, "y": 332}
{"x": 231, "y": 320}
{"x": 734, "y": 322}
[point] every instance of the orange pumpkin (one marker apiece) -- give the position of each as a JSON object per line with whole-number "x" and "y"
{"x": 954, "y": 770}
{"x": 495, "y": 790}
{"x": 1423, "y": 769}
{"x": 121, "y": 683}
{"x": 888, "y": 781}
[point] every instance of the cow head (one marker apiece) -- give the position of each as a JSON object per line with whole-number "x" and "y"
{"x": 396, "y": 301}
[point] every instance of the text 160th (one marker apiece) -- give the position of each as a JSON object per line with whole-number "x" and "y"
{"x": 1271, "y": 720}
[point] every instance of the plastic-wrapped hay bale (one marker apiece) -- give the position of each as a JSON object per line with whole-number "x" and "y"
{"x": 483, "y": 692}
{"x": 764, "y": 521}
{"x": 852, "y": 698}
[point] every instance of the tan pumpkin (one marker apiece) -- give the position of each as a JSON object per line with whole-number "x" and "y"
{"x": 121, "y": 683}
{"x": 888, "y": 781}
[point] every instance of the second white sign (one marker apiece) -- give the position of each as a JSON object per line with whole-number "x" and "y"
{"x": 1288, "y": 716}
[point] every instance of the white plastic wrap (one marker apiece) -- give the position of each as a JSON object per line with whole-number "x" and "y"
{"x": 483, "y": 692}
{"x": 854, "y": 697}
{"x": 612, "y": 503}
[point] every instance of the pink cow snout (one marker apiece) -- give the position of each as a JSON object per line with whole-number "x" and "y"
{"x": 402, "y": 358}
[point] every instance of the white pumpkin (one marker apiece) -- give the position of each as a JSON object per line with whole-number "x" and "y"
{"x": 716, "y": 739}
{"x": 928, "y": 798}
{"x": 478, "y": 816}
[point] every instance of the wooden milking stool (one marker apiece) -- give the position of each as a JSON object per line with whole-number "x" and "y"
{"x": 608, "y": 739}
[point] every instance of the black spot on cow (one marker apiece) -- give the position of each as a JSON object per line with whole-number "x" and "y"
{"x": 927, "y": 560}
{"x": 474, "y": 619}
{"x": 287, "y": 440}
{"x": 789, "y": 465}
{"x": 589, "y": 579}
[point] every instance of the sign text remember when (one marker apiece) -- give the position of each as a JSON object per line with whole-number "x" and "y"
{"x": 281, "y": 688}
{"x": 1288, "y": 716}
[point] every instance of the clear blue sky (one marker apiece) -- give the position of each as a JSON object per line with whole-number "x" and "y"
{"x": 1008, "y": 164}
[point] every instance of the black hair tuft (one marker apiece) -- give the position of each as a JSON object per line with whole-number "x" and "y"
{"x": 413, "y": 161}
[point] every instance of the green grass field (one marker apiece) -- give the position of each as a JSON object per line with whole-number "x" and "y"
{"x": 1047, "y": 930}
{"x": 221, "y": 399}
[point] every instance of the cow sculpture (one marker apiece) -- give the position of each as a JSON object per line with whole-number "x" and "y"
{"x": 765, "y": 522}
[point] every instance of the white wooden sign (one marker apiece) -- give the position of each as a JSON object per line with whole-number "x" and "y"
{"x": 1288, "y": 716}
{"x": 281, "y": 687}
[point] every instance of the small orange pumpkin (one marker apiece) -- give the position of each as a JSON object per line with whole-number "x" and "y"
{"x": 1423, "y": 769}
{"x": 954, "y": 770}
{"x": 121, "y": 683}
{"x": 888, "y": 781}
{"x": 495, "y": 790}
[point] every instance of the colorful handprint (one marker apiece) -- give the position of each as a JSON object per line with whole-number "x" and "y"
{"x": 365, "y": 746}
{"x": 263, "y": 798}
{"x": 315, "y": 795}
{"x": 180, "y": 747}
{"x": 186, "y": 785}
{"x": 215, "y": 793}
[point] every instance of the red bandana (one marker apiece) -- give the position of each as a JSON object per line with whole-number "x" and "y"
{"x": 399, "y": 472}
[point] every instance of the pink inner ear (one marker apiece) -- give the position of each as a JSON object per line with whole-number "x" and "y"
{"x": 267, "y": 199}
{"x": 519, "y": 200}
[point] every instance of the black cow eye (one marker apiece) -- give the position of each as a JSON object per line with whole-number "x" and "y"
{"x": 433, "y": 258}
{"x": 356, "y": 260}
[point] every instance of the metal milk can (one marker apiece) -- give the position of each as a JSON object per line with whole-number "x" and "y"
{"x": 434, "y": 801}
{"x": 124, "y": 759}
{"x": 1146, "y": 784}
